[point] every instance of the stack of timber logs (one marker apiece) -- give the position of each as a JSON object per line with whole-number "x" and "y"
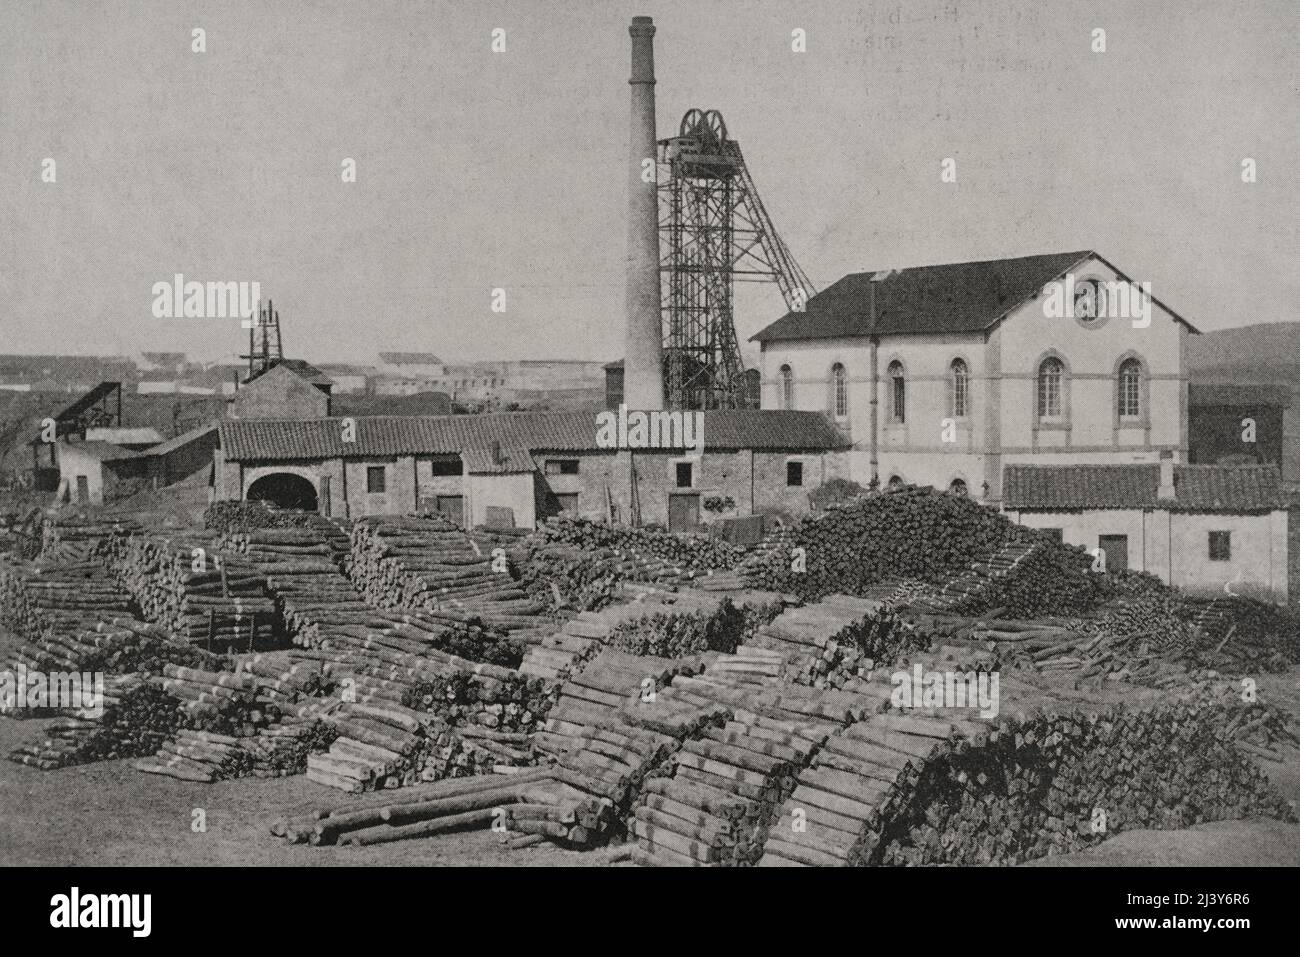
{"x": 57, "y": 595}
{"x": 203, "y": 756}
{"x": 376, "y": 747}
{"x": 224, "y": 702}
{"x": 657, "y": 623}
{"x": 836, "y": 639}
{"x": 78, "y": 538}
{"x": 725, "y": 793}
{"x": 1049, "y": 776}
{"x": 606, "y": 747}
{"x": 303, "y": 567}
{"x": 528, "y": 802}
{"x": 684, "y": 553}
{"x": 197, "y": 593}
{"x": 283, "y": 749}
{"x": 731, "y": 776}
{"x": 136, "y": 718}
{"x": 971, "y": 585}
{"x": 429, "y": 564}
{"x": 911, "y": 532}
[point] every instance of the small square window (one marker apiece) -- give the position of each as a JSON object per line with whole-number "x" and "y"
{"x": 561, "y": 466}
{"x": 685, "y": 475}
{"x": 794, "y": 473}
{"x": 1220, "y": 546}
{"x": 376, "y": 478}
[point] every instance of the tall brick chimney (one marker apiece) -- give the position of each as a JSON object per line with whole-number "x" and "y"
{"x": 643, "y": 378}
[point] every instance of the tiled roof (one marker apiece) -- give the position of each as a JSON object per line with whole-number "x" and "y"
{"x": 284, "y": 440}
{"x": 1197, "y": 488}
{"x": 949, "y": 298}
{"x": 1206, "y": 394}
{"x": 299, "y": 367}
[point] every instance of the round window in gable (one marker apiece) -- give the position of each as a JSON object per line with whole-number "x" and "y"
{"x": 1090, "y": 305}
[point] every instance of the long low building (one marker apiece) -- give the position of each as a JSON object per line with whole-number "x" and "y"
{"x": 519, "y": 468}
{"x": 1206, "y": 529}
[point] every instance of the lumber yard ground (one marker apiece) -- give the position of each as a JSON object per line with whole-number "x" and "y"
{"x": 109, "y": 813}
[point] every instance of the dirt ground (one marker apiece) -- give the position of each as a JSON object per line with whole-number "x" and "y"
{"x": 111, "y": 814}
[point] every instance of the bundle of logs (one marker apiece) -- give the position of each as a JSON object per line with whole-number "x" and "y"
{"x": 661, "y": 624}
{"x": 689, "y": 627}
{"x": 1243, "y": 633}
{"x": 838, "y": 638}
{"x": 438, "y": 714}
{"x": 529, "y": 804}
{"x": 113, "y": 646}
{"x": 1053, "y": 783}
{"x": 726, "y": 792}
{"x": 136, "y": 718}
{"x": 79, "y": 538}
{"x": 605, "y": 746}
{"x": 50, "y": 595}
{"x": 194, "y": 591}
{"x": 914, "y": 532}
{"x": 430, "y": 564}
{"x": 1052, "y": 579}
{"x": 587, "y": 578}
{"x": 303, "y": 567}
{"x": 222, "y": 702}
{"x": 730, "y": 778}
{"x": 686, "y": 553}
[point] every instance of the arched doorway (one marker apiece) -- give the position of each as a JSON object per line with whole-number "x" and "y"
{"x": 284, "y": 490}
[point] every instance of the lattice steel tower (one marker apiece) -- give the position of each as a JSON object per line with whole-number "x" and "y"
{"x": 714, "y": 232}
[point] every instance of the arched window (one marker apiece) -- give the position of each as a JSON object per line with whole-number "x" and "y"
{"x": 958, "y": 389}
{"x": 787, "y": 387}
{"x": 957, "y": 486}
{"x": 839, "y": 391}
{"x": 1130, "y": 389}
{"x": 895, "y": 481}
{"x": 1050, "y": 375}
{"x": 897, "y": 392}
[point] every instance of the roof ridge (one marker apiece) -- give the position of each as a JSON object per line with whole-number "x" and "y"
{"x": 974, "y": 262}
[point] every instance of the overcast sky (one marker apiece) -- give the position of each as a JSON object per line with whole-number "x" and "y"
{"x": 478, "y": 170}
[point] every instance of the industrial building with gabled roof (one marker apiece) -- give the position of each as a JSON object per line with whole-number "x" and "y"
{"x": 534, "y": 464}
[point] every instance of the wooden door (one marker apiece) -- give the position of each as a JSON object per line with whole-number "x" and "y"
{"x": 1116, "y": 549}
{"x": 683, "y": 512}
{"x": 452, "y": 507}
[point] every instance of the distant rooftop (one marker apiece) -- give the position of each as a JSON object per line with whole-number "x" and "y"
{"x": 409, "y": 359}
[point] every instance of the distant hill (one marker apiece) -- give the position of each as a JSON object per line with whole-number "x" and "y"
{"x": 1259, "y": 354}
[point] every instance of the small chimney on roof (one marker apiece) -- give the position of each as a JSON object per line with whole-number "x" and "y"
{"x": 496, "y": 453}
{"x": 1167, "y": 492}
